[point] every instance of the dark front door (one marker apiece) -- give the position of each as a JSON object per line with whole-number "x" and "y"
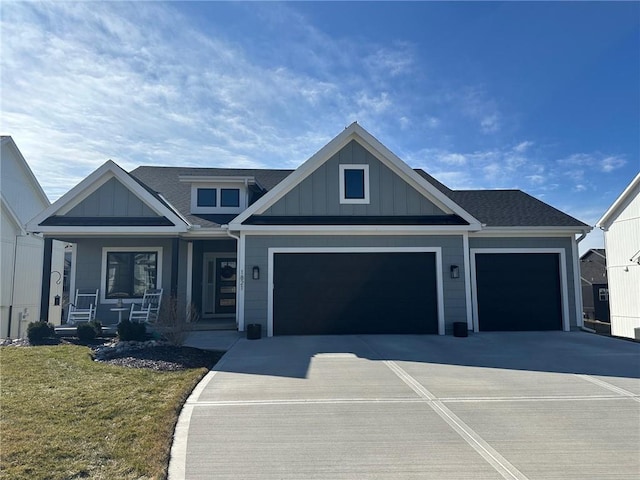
{"x": 225, "y": 295}
{"x": 518, "y": 291}
{"x": 354, "y": 293}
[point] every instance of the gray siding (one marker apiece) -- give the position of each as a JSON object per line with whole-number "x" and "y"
{"x": 319, "y": 193}
{"x": 111, "y": 200}
{"x": 537, "y": 242}
{"x": 257, "y": 255}
{"x": 89, "y": 266}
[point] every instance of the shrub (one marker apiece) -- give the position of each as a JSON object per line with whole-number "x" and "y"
{"x": 132, "y": 331}
{"x": 86, "y": 332}
{"x": 39, "y": 331}
{"x": 173, "y": 323}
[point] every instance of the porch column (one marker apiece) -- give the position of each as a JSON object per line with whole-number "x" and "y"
{"x": 46, "y": 279}
{"x": 175, "y": 248}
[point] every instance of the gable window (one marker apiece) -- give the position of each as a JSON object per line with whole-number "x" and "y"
{"x": 207, "y": 197}
{"x": 229, "y": 197}
{"x": 354, "y": 183}
{"x": 128, "y": 272}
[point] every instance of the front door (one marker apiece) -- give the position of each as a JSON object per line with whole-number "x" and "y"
{"x": 219, "y": 286}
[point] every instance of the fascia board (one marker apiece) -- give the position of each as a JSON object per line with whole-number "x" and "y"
{"x": 27, "y": 169}
{"x": 530, "y": 231}
{"x": 606, "y": 219}
{"x": 297, "y": 176}
{"x": 108, "y": 231}
{"x": 216, "y": 179}
{"x": 205, "y": 233}
{"x": 12, "y": 215}
{"x": 350, "y": 229}
{"x": 90, "y": 184}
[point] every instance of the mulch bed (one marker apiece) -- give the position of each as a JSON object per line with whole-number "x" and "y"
{"x": 165, "y": 358}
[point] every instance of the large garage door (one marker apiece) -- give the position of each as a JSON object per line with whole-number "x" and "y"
{"x": 518, "y": 291}
{"x": 352, "y": 293}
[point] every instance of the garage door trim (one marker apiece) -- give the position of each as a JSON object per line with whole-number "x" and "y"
{"x": 437, "y": 250}
{"x": 564, "y": 292}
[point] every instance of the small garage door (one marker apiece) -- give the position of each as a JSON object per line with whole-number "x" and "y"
{"x": 518, "y": 291}
{"x": 354, "y": 293}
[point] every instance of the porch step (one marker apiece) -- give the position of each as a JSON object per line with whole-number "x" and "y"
{"x": 206, "y": 325}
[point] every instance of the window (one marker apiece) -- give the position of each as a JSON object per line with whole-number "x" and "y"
{"x": 229, "y": 197}
{"x": 207, "y": 197}
{"x": 603, "y": 294}
{"x": 354, "y": 183}
{"x": 128, "y": 272}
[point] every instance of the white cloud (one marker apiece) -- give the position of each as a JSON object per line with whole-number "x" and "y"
{"x": 612, "y": 163}
{"x": 523, "y": 146}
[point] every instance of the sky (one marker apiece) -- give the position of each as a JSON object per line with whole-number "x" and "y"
{"x": 538, "y": 96}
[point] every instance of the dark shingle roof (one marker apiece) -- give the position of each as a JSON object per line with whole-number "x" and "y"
{"x": 495, "y": 208}
{"x": 164, "y": 181}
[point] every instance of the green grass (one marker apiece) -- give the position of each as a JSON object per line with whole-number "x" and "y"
{"x": 63, "y": 416}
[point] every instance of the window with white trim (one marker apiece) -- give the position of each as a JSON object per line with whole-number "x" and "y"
{"x": 603, "y": 294}
{"x": 218, "y": 198}
{"x": 207, "y": 197}
{"x": 354, "y": 184}
{"x": 128, "y": 271}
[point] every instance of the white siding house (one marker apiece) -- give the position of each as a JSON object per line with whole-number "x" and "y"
{"x": 22, "y": 198}
{"x": 621, "y": 225}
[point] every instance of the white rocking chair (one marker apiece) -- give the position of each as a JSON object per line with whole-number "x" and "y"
{"x": 149, "y": 309}
{"x": 83, "y": 309}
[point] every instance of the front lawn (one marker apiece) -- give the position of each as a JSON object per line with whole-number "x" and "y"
{"x": 64, "y": 416}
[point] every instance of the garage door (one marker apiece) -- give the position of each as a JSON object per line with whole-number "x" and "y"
{"x": 518, "y": 291}
{"x": 352, "y": 293}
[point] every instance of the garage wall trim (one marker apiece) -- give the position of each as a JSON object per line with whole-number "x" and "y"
{"x": 564, "y": 293}
{"x": 437, "y": 250}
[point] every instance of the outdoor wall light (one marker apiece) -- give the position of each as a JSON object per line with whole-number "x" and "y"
{"x": 455, "y": 271}
{"x": 56, "y": 300}
{"x": 256, "y": 273}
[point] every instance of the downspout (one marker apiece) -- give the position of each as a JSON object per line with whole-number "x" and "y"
{"x": 240, "y": 279}
{"x": 13, "y": 288}
{"x": 576, "y": 276}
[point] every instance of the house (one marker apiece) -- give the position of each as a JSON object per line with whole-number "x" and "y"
{"x": 352, "y": 241}
{"x": 621, "y": 226}
{"x": 595, "y": 290}
{"x": 21, "y": 198}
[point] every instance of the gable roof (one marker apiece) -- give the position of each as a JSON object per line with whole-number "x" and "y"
{"x": 593, "y": 266}
{"x": 48, "y": 220}
{"x": 6, "y": 141}
{"x": 355, "y": 132}
{"x": 614, "y": 210}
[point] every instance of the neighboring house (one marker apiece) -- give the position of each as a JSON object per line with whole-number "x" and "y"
{"x": 621, "y": 225}
{"x": 595, "y": 291}
{"x": 21, "y": 253}
{"x": 352, "y": 241}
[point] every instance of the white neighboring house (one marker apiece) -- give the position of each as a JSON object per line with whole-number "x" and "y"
{"x": 22, "y": 198}
{"x": 621, "y": 225}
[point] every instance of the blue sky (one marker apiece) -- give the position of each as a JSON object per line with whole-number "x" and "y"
{"x": 540, "y": 96}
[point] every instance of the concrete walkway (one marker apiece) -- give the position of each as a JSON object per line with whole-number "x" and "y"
{"x": 490, "y": 406}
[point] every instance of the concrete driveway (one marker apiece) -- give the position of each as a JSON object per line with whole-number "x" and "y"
{"x": 539, "y": 405}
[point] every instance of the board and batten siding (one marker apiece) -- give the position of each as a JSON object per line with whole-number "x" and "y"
{"x": 257, "y": 251}
{"x": 533, "y": 243}
{"x": 111, "y": 200}
{"x": 622, "y": 242}
{"x": 319, "y": 193}
{"x": 89, "y": 266}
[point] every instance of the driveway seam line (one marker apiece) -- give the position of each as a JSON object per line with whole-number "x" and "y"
{"x": 486, "y": 451}
{"x": 608, "y": 386}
